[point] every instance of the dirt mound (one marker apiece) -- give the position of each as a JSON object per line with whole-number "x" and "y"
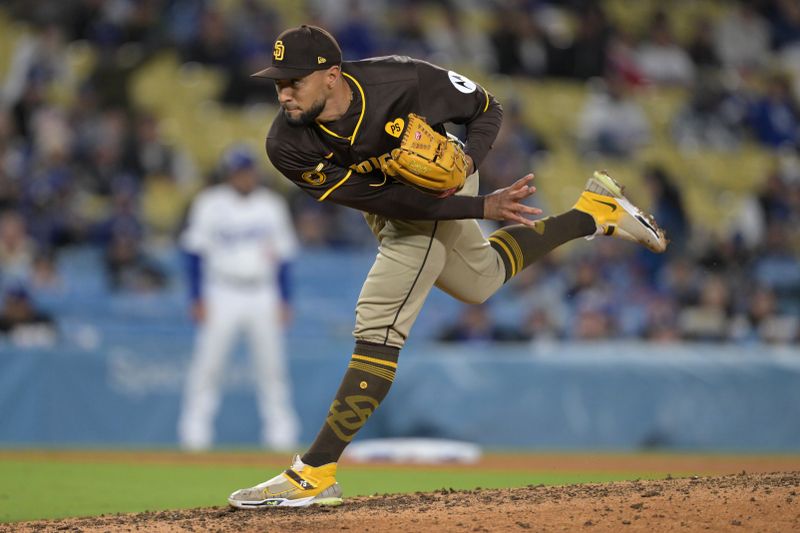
{"x": 743, "y": 502}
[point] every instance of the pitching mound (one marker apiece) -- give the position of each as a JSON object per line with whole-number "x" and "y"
{"x": 744, "y": 502}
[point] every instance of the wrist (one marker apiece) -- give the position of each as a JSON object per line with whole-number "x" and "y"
{"x": 470, "y": 165}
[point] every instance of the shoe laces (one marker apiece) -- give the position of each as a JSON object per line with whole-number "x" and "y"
{"x": 297, "y": 464}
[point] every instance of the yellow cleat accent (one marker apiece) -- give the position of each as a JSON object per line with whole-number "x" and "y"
{"x": 616, "y": 216}
{"x": 299, "y": 486}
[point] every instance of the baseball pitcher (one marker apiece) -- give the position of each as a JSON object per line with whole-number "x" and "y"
{"x": 369, "y": 135}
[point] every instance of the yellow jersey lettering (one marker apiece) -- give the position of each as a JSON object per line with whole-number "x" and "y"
{"x": 373, "y": 163}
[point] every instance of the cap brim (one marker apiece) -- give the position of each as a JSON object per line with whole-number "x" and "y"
{"x": 283, "y": 73}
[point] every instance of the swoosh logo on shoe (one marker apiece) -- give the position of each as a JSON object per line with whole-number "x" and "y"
{"x": 609, "y": 204}
{"x": 647, "y": 225}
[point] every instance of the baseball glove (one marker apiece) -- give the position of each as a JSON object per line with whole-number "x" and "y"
{"x": 427, "y": 160}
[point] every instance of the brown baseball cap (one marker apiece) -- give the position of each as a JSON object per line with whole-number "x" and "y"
{"x": 300, "y": 51}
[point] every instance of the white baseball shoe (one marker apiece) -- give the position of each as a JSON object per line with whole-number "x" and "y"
{"x": 299, "y": 486}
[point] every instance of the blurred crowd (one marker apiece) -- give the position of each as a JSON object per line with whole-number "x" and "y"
{"x": 80, "y": 165}
{"x": 735, "y": 289}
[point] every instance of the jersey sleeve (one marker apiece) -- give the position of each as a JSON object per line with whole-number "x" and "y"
{"x": 447, "y": 96}
{"x": 196, "y": 237}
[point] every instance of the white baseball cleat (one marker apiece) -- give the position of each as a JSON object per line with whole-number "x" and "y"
{"x": 299, "y": 486}
{"x": 616, "y": 216}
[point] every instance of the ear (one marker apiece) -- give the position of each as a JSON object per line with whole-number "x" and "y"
{"x": 332, "y": 74}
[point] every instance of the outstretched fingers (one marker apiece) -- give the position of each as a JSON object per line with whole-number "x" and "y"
{"x": 519, "y": 191}
{"x": 507, "y": 203}
{"x": 522, "y": 183}
{"x": 516, "y": 216}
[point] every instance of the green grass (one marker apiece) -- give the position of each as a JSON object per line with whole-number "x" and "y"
{"x": 37, "y": 489}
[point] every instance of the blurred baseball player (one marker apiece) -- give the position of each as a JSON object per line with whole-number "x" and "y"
{"x": 240, "y": 240}
{"x": 352, "y": 133}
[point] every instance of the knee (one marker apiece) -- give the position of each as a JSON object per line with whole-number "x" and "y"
{"x": 476, "y": 297}
{"x": 472, "y": 294}
{"x": 372, "y": 337}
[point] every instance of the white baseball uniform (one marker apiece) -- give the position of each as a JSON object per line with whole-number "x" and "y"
{"x": 242, "y": 240}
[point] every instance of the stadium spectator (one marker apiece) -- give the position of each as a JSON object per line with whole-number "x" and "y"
{"x": 322, "y": 225}
{"x": 662, "y": 323}
{"x": 359, "y": 35}
{"x": 590, "y": 299}
{"x": 742, "y": 37}
{"x": 475, "y": 324}
{"x": 22, "y": 323}
{"x": 540, "y": 325}
{"x": 180, "y": 21}
{"x": 128, "y": 267}
{"x": 593, "y": 321}
{"x": 39, "y": 60}
{"x": 167, "y": 173}
{"x": 12, "y": 161}
{"x": 622, "y": 61}
{"x": 454, "y": 43}
{"x": 776, "y": 266}
{"x": 406, "y": 36}
{"x": 311, "y": 223}
{"x": 163, "y": 203}
{"x": 17, "y": 249}
{"x": 761, "y": 321}
{"x": 611, "y": 122}
{"x": 775, "y": 117}
{"x": 681, "y": 280}
{"x": 710, "y": 318}
{"x": 147, "y": 153}
{"x": 255, "y": 23}
{"x": 784, "y": 21}
{"x": 774, "y": 199}
{"x": 701, "y": 47}
{"x": 517, "y": 149}
{"x": 589, "y": 50}
{"x": 103, "y": 167}
{"x": 712, "y": 118}
{"x": 518, "y": 46}
{"x": 111, "y": 75}
{"x": 140, "y": 24}
{"x": 661, "y": 59}
{"x": 213, "y": 45}
{"x": 667, "y": 207}
{"x": 335, "y": 13}
{"x": 49, "y": 196}
{"x": 44, "y": 275}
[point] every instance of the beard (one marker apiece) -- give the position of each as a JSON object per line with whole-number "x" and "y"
{"x": 307, "y": 117}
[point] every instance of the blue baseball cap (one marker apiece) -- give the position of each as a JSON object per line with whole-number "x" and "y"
{"x": 237, "y": 158}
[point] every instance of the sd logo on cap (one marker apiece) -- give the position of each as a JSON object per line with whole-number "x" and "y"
{"x": 300, "y": 51}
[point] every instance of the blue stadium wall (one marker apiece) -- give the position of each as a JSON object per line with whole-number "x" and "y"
{"x": 615, "y": 396}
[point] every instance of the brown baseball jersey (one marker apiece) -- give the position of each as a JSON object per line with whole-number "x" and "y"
{"x": 340, "y": 161}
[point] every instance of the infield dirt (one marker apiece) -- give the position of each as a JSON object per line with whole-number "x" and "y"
{"x": 744, "y": 502}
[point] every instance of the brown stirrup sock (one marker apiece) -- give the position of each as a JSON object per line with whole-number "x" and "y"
{"x": 520, "y": 245}
{"x": 364, "y": 386}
